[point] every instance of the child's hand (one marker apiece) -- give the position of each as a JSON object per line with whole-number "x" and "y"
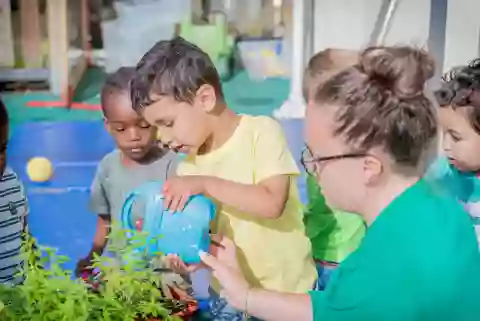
{"x": 178, "y": 190}
{"x": 83, "y": 265}
{"x": 176, "y": 264}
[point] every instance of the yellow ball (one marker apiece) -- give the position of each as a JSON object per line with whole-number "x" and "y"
{"x": 39, "y": 169}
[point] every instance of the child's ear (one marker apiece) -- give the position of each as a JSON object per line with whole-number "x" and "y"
{"x": 206, "y": 98}
{"x": 107, "y": 125}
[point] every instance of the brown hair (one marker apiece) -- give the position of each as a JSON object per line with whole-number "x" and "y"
{"x": 381, "y": 103}
{"x": 175, "y": 68}
{"x": 324, "y": 65}
{"x": 461, "y": 89}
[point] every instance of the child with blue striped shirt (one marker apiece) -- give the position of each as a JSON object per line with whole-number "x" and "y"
{"x": 458, "y": 171}
{"x": 13, "y": 212}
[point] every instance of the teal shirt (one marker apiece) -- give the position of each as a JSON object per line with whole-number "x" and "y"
{"x": 464, "y": 186}
{"x": 333, "y": 234}
{"x": 419, "y": 261}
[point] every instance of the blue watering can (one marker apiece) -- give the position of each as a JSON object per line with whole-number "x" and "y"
{"x": 183, "y": 233}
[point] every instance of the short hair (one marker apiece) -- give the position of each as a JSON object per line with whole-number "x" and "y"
{"x": 461, "y": 89}
{"x": 324, "y": 65}
{"x": 117, "y": 82}
{"x": 175, "y": 68}
{"x": 381, "y": 103}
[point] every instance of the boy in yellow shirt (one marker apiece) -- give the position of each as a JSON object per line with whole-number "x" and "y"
{"x": 242, "y": 162}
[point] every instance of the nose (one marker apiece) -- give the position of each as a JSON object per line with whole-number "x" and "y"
{"x": 166, "y": 138}
{"x": 446, "y": 143}
{"x": 134, "y": 134}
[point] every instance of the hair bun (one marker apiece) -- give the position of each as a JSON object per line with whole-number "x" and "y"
{"x": 403, "y": 70}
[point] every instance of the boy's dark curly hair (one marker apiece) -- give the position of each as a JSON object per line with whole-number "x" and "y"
{"x": 461, "y": 89}
{"x": 175, "y": 68}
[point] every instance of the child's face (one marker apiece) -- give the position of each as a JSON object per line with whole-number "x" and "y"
{"x": 461, "y": 143}
{"x": 132, "y": 134}
{"x": 343, "y": 180}
{"x": 182, "y": 126}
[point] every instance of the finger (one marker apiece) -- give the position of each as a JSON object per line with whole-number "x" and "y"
{"x": 216, "y": 239}
{"x": 166, "y": 187}
{"x": 226, "y": 242}
{"x": 167, "y": 201}
{"x": 183, "y": 202}
{"x": 174, "y": 204}
{"x": 209, "y": 260}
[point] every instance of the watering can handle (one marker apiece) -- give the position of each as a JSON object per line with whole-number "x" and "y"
{"x": 153, "y": 216}
{"x": 127, "y": 210}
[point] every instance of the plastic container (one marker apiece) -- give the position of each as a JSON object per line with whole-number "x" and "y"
{"x": 264, "y": 58}
{"x": 183, "y": 233}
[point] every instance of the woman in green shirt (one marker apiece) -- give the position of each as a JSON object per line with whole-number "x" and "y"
{"x": 334, "y": 234}
{"x": 370, "y": 132}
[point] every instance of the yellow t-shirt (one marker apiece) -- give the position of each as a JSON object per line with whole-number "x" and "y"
{"x": 274, "y": 254}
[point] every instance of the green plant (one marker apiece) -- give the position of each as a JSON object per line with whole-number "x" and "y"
{"x": 128, "y": 288}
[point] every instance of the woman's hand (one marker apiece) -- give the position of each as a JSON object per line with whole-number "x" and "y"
{"x": 223, "y": 262}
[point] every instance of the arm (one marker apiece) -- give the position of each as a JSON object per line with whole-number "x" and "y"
{"x": 100, "y": 204}
{"x": 267, "y": 199}
{"x": 262, "y": 304}
{"x": 273, "y": 169}
{"x": 101, "y": 234}
{"x": 281, "y": 306}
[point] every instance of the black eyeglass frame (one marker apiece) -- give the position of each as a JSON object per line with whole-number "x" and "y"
{"x": 312, "y": 159}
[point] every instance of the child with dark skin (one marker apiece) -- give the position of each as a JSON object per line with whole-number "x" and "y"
{"x": 13, "y": 213}
{"x": 137, "y": 160}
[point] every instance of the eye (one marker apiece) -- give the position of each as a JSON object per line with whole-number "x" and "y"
{"x": 455, "y": 136}
{"x": 119, "y": 129}
{"x": 144, "y": 124}
{"x": 165, "y": 123}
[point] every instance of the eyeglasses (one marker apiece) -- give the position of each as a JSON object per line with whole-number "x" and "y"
{"x": 311, "y": 163}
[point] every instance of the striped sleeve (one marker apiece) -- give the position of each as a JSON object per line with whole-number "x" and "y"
{"x": 13, "y": 208}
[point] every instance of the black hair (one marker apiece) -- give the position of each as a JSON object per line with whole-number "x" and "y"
{"x": 175, "y": 68}
{"x": 461, "y": 89}
{"x": 3, "y": 114}
{"x": 117, "y": 82}
{"x": 381, "y": 103}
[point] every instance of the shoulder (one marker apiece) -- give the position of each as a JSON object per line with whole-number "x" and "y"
{"x": 169, "y": 157}
{"x": 264, "y": 130}
{"x": 9, "y": 180}
{"x": 263, "y": 124}
{"x": 11, "y": 189}
{"x": 108, "y": 161}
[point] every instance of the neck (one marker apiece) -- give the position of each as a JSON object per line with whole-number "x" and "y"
{"x": 150, "y": 157}
{"x": 384, "y": 195}
{"x": 225, "y": 123}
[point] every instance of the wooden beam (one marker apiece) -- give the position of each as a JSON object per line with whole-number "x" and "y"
{"x": 7, "y": 55}
{"x": 31, "y": 34}
{"x": 58, "y": 47}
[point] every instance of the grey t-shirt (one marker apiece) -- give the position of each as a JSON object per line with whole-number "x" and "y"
{"x": 114, "y": 181}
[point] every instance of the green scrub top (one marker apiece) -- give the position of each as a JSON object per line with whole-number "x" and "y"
{"x": 333, "y": 234}
{"x": 419, "y": 261}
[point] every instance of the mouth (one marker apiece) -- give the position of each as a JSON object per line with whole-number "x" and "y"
{"x": 136, "y": 150}
{"x": 452, "y": 160}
